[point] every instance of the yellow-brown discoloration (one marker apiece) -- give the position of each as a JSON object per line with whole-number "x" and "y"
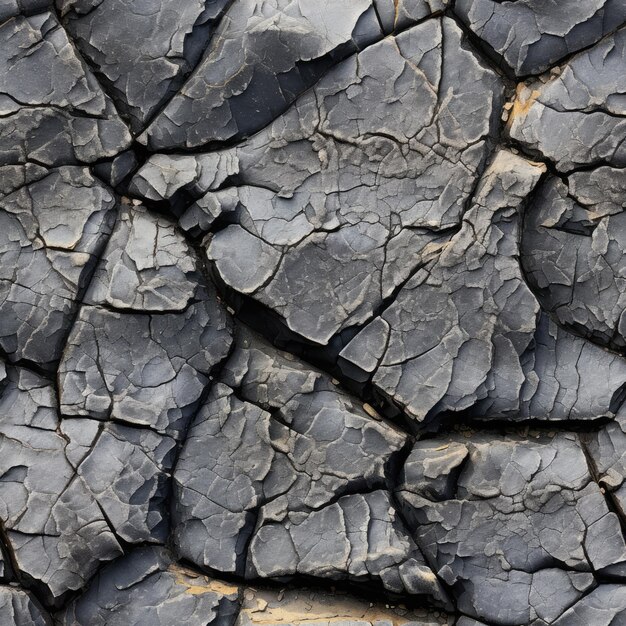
{"x": 524, "y": 99}
{"x": 198, "y": 585}
{"x": 299, "y": 609}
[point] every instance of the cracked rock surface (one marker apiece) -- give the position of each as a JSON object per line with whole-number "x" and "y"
{"x": 312, "y": 313}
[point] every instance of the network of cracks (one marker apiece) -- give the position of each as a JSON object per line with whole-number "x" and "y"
{"x": 312, "y": 312}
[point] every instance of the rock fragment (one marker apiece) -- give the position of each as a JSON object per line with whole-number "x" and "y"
{"x": 360, "y": 538}
{"x": 148, "y": 587}
{"x": 54, "y": 112}
{"x": 57, "y": 532}
{"x": 604, "y": 606}
{"x": 399, "y": 14}
{"x": 576, "y": 118}
{"x": 531, "y": 35}
{"x": 274, "y": 440}
{"x": 11, "y": 8}
{"x": 52, "y": 230}
{"x": 19, "y": 608}
{"x": 516, "y": 527}
{"x": 465, "y": 313}
{"x": 607, "y": 450}
{"x": 358, "y": 184}
{"x": 572, "y": 252}
{"x": 262, "y": 56}
{"x": 150, "y": 332}
{"x": 147, "y": 266}
{"x": 142, "y": 52}
{"x": 127, "y": 471}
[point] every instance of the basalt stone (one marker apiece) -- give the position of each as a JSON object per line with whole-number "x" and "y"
{"x": 311, "y": 313}
{"x": 572, "y": 252}
{"x": 576, "y": 117}
{"x": 148, "y": 587}
{"x": 54, "y": 112}
{"x": 463, "y": 317}
{"x": 274, "y": 437}
{"x": 516, "y": 527}
{"x": 141, "y": 51}
{"x": 58, "y": 534}
{"x": 52, "y": 231}
{"x": 262, "y": 56}
{"x": 149, "y": 334}
{"x": 529, "y": 36}
{"x": 360, "y": 182}
{"x": 20, "y": 608}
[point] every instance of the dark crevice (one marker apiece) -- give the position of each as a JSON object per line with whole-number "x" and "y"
{"x": 537, "y": 156}
{"x": 326, "y": 64}
{"x": 609, "y": 496}
{"x": 485, "y": 52}
{"x": 368, "y": 592}
{"x": 86, "y": 63}
{"x": 78, "y": 302}
{"x": 572, "y": 329}
{"x": 8, "y": 555}
{"x": 46, "y": 370}
{"x": 497, "y": 59}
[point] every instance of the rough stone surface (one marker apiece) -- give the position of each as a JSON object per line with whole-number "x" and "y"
{"x": 398, "y": 14}
{"x": 142, "y": 51}
{"x": 142, "y": 368}
{"x": 576, "y": 118}
{"x": 531, "y": 35}
{"x": 604, "y": 606}
{"x": 572, "y": 252}
{"x": 312, "y": 313}
{"x": 519, "y": 527}
{"x": 340, "y": 199}
{"x": 51, "y": 233}
{"x": 271, "y": 453}
{"x": 54, "y": 112}
{"x": 263, "y": 55}
{"x": 468, "y": 310}
{"x": 19, "y": 608}
{"x": 57, "y": 532}
{"x": 148, "y": 587}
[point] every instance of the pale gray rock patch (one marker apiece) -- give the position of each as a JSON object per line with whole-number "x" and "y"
{"x": 149, "y": 334}
{"x": 275, "y": 436}
{"x": 462, "y": 313}
{"x": 128, "y": 472}
{"x": 338, "y": 201}
{"x": 53, "y": 111}
{"x": 57, "y": 532}
{"x": 19, "y": 608}
{"x": 572, "y": 252}
{"x": 52, "y": 231}
{"x": 147, "y": 266}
